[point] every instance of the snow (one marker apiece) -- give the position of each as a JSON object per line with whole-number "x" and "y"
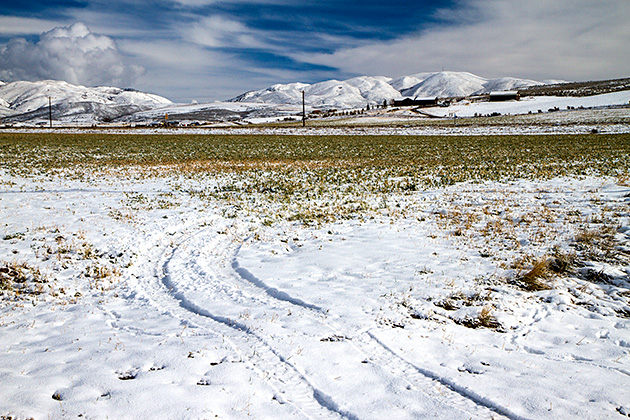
{"x": 606, "y": 113}
{"x": 374, "y": 89}
{"x": 72, "y": 103}
{"x": 447, "y": 84}
{"x": 27, "y": 102}
{"x": 205, "y": 311}
{"x": 29, "y": 96}
{"x": 358, "y": 91}
{"x": 191, "y": 108}
{"x": 4, "y": 108}
{"x": 531, "y": 105}
{"x": 509, "y": 83}
{"x": 405, "y": 82}
{"x": 605, "y": 121}
{"x": 289, "y": 93}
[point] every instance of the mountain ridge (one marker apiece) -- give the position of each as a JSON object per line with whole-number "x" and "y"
{"x": 29, "y": 99}
{"x": 27, "y": 103}
{"x": 374, "y": 90}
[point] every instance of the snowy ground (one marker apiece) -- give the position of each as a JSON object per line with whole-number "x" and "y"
{"x": 380, "y": 126}
{"x": 130, "y": 295}
{"x": 533, "y": 104}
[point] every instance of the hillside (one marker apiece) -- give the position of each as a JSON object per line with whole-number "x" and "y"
{"x": 359, "y": 91}
{"x": 598, "y": 87}
{"x": 28, "y": 101}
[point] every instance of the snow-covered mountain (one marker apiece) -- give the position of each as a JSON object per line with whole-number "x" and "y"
{"x": 376, "y": 89}
{"x": 27, "y": 101}
{"x": 449, "y": 84}
{"x": 331, "y": 93}
{"x": 406, "y": 82}
{"x": 276, "y": 94}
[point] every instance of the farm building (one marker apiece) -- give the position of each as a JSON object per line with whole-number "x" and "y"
{"x": 508, "y": 95}
{"x": 416, "y": 102}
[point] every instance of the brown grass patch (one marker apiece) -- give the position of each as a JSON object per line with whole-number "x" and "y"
{"x": 534, "y": 279}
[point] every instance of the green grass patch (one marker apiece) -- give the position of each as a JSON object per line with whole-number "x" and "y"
{"x": 446, "y": 159}
{"x": 313, "y": 179}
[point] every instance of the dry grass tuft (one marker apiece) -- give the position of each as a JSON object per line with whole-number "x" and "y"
{"x": 458, "y": 299}
{"x": 485, "y": 319}
{"x": 538, "y": 271}
{"x": 562, "y": 262}
{"x": 597, "y": 244}
{"x": 623, "y": 180}
{"x": 587, "y": 237}
{"x": 533, "y": 280}
{"x": 21, "y": 278}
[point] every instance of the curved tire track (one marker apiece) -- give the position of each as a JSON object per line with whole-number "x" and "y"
{"x": 380, "y": 354}
{"x": 236, "y": 283}
{"x": 288, "y": 385}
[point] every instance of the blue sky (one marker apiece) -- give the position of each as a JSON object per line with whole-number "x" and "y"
{"x": 212, "y": 49}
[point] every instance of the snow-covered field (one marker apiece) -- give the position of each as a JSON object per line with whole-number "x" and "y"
{"x": 140, "y": 293}
{"x": 533, "y": 104}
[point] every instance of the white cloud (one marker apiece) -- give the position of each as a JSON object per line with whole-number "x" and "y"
{"x": 196, "y": 3}
{"x": 201, "y": 3}
{"x": 13, "y": 25}
{"x": 219, "y": 31}
{"x": 571, "y": 39}
{"x": 73, "y": 54}
{"x": 186, "y": 71}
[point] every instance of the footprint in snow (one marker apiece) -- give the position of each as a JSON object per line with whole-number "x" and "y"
{"x": 127, "y": 375}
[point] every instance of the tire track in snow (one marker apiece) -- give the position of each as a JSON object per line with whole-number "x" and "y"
{"x": 543, "y": 353}
{"x": 378, "y": 353}
{"x": 431, "y": 382}
{"x": 271, "y": 291}
{"x": 288, "y": 384}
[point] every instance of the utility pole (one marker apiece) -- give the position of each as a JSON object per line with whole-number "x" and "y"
{"x": 303, "y": 111}
{"x": 50, "y": 110}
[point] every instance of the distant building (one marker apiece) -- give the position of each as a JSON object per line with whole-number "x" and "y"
{"x": 508, "y": 95}
{"x": 416, "y": 102}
